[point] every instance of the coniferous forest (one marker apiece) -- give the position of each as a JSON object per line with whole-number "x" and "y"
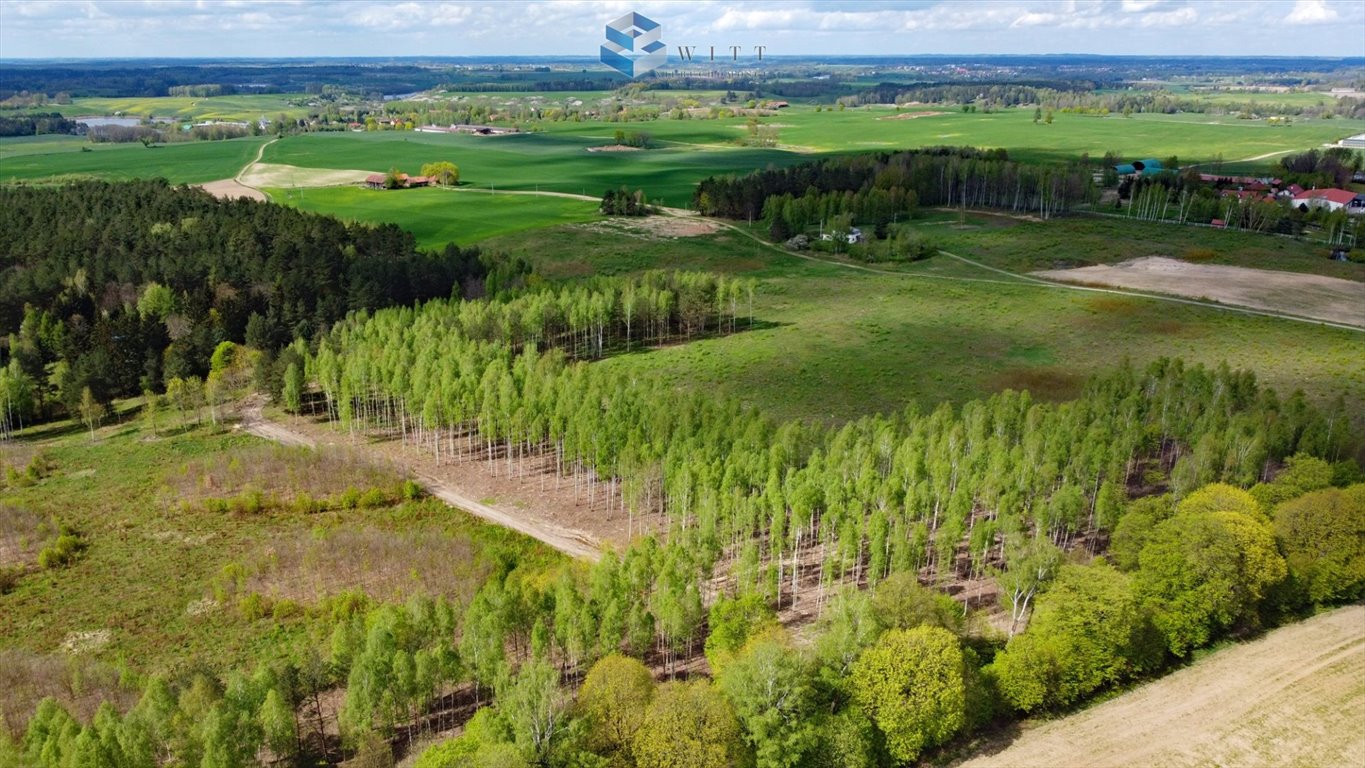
{"x": 121, "y": 287}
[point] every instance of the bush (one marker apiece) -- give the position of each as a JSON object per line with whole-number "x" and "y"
{"x": 349, "y": 498}
{"x": 305, "y": 504}
{"x": 9, "y": 579}
{"x": 253, "y": 606}
{"x": 66, "y": 550}
{"x": 372, "y": 499}
{"x": 249, "y": 502}
{"x": 412, "y": 491}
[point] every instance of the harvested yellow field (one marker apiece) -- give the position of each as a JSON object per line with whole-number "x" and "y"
{"x": 1295, "y": 697}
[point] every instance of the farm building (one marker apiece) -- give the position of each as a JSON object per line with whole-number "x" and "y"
{"x": 477, "y": 130}
{"x": 377, "y": 181}
{"x": 1353, "y": 142}
{"x": 1332, "y": 200}
{"x": 1139, "y": 167}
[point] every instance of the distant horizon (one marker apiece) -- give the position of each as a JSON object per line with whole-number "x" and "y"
{"x": 790, "y": 57}
{"x": 264, "y": 29}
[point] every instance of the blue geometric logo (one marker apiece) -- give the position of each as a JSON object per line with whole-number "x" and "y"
{"x": 633, "y": 46}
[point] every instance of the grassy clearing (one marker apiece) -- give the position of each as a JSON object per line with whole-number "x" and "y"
{"x": 439, "y": 216}
{"x": 192, "y": 162}
{"x": 173, "y": 550}
{"x": 837, "y": 343}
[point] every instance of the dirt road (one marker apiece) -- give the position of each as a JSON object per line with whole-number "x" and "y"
{"x": 567, "y": 540}
{"x": 1295, "y": 697}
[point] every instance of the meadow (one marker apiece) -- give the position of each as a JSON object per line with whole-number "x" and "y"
{"x": 438, "y": 216}
{"x": 174, "y": 549}
{"x": 836, "y": 342}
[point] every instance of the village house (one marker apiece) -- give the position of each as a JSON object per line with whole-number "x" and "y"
{"x": 1332, "y": 200}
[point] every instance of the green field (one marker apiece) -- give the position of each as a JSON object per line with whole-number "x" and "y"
{"x": 192, "y": 162}
{"x": 240, "y": 108}
{"x": 439, "y": 216}
{"x": 837, "y": 343}
{"x": 546, "y": 161}
{"x": 556, "y": 157}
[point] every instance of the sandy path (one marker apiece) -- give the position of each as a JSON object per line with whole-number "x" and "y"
{"x": 1315, "y": 296}
{"x": 1295, "y": 697}
{"x": 574, "y": 543}
{"x": 226, "y": 189}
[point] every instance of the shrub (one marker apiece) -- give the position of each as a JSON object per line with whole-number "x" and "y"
{"x": 349, "y": 498}
{"x": 253, "y": 606}
{"x": 66, "y": 550}
{"x": 9, "y": 579}
{"x": 412, "y": 491}
{"x": 372, "y": 499}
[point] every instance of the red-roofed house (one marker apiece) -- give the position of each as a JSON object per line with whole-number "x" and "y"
{"x": 375, "y": 181}
{"x": 1332, "y": 200}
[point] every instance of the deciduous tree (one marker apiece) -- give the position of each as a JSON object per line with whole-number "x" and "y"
{"x": 910, "y": 684}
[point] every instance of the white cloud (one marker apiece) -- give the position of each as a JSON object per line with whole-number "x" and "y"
{"x": 42, "y": 28}
{"x": 1311, "y": 12}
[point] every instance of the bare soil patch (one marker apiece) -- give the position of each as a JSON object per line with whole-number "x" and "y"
{"x": 228, "y": 189}
{"x": 1295, "y": 697}
{"x": 22, "y": 535}
{"x": 615, "y": 148}
{"x": 911, "y": 115}
{"x": 657, "y": 227}
{"x": 275, "y": 175}
{"x": 1315, "y": 296}
{"x": 523, "y": 493}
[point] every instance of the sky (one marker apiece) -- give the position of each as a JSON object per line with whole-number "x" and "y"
{"x": 312, "y": 28}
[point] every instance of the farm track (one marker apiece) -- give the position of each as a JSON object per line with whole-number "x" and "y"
{"x": 574, "y": 543}
{"x": 1295, "y": 697}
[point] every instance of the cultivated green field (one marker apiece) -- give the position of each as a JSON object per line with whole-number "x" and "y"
{"x": 192, "y": 162}
{"x": 837, "y": 343}
{"x": 241, "y": 108}
{"x": 439, "y": 216}
{"x": 546, "y": 161}
{"x": 556, "y": 157}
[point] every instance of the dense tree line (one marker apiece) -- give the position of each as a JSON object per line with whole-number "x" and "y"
{"x": 960, "y": 176}
{"x": 1083, "y": 97}
{"x": 623, "y": 202}
{"x": 120, "y": 287}
{"x": 37, "y": 124}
